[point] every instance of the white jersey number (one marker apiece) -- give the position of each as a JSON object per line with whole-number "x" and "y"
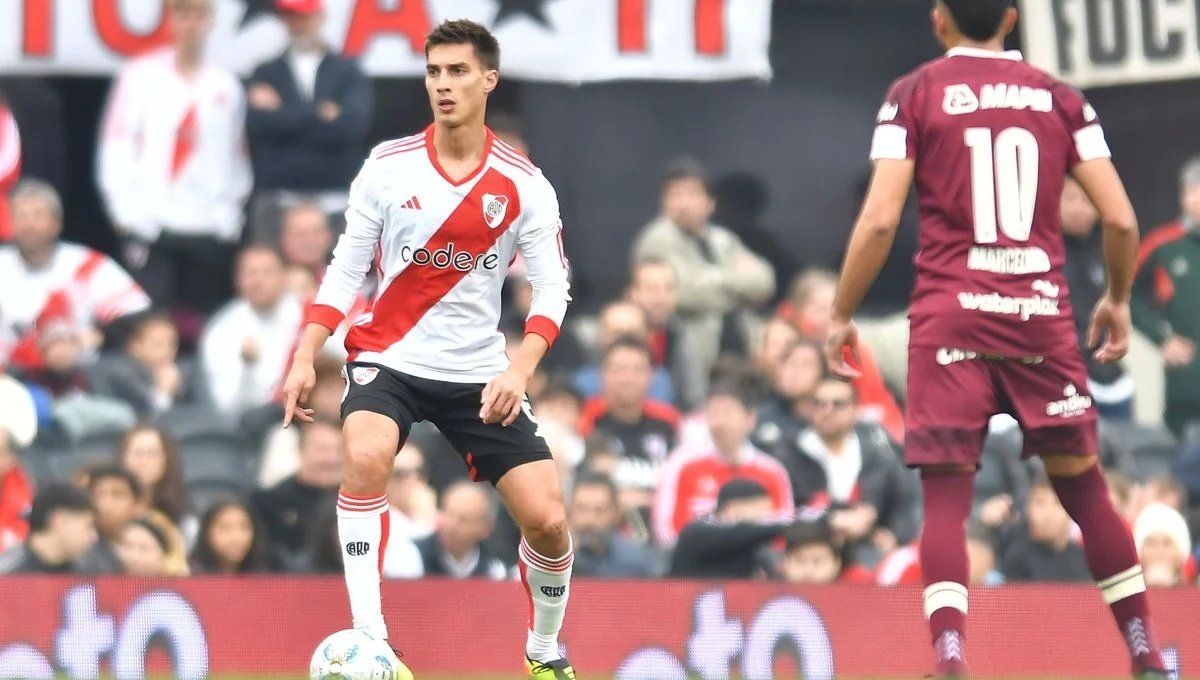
{"x": 1004, "y": 182}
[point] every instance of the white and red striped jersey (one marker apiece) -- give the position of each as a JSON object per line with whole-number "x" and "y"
{"x": 172, "y": 152}
{"x": 84, "y": 284}
{"x": 444, "y": 248}
{"x": 692, "y": 478}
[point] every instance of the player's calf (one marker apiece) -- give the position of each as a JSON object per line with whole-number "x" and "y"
{"x": 1111, "y": 554}
{"x": 369, "y": 443}
{"x": 944, "y": 566}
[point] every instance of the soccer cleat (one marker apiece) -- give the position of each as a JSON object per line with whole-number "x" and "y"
{"x": 559, "y": 669}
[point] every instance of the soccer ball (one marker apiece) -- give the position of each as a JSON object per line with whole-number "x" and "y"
{"x": 354, "y": 655}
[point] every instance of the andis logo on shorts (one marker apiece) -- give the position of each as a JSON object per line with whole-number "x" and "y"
{"x": 447, "y": 257}
{"x": 1075, "y": 404}
{"x": 995, "y": 303}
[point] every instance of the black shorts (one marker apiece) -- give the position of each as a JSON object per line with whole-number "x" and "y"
{"x": 489, "y": 450}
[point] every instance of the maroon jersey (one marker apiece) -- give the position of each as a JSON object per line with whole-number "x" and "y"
{"x": 992, "y": 138}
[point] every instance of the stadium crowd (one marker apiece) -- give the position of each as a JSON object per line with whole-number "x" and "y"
{"x": 695, "y": 426}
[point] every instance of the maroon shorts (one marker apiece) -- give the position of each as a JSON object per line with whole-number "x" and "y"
{"x": 952, "y": 394}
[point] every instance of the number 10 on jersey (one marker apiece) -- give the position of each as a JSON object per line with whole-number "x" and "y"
{"x": 1004, "y": 182}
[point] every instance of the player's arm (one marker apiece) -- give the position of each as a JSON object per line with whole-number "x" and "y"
{"x": 870, "y": 243}
{"x": 540, "y": 243}
{"x": 352, "y": 258}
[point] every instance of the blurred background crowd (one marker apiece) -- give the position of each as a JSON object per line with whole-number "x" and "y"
{"x": 696, "y": 429}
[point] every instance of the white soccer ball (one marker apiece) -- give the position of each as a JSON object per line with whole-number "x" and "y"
{"x": 354, "y": 655}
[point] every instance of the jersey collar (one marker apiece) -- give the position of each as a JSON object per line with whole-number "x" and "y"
{"x": 1011, "y": 55}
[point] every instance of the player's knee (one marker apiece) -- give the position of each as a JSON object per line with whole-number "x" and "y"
{"x": 1068, "y": 466}
{"x": 549, "y": 525}
{"x": 367, "y": 458}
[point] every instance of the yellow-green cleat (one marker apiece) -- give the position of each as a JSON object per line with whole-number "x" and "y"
{"x": 559, "y": 669}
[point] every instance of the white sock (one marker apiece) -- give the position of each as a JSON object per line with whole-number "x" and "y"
{"x": 548, "y": 584}
{"x": 363, "y": 525}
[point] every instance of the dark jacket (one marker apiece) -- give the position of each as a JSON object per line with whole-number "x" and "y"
{"x": 1088, "y": 282}
{"x": 292, "y": 147}
{"x": 777, "y": 424}
{"x": 287, "y": 510}
{"x": 489, "y": 566}
{"x": 711, "y": 549}
{"x": 621, "y": 558}
{"x": 1024, "y": 560}
{"x": 129, "y": 380}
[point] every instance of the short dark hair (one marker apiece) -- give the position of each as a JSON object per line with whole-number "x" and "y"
{"x": 627, "y": 342}
{"x": 829, "y": 378}
{"x": 148, "y": 319}
{"x": 687, "y": 168}
{"x": 559, "y": 388}
{"x": 118, "y": 473}
{"x": 160, "y": 536}
{"x": 803, "y": 534}
{"x": 596, "y": 479}
{"x": 977, "y": 19}
{"x": 56, "y": 498}
{"x": 466, "y": 32}
{"x": 740, "y": 390}
{"x": 740, "y": 489}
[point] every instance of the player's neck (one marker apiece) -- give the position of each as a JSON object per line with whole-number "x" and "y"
{"x": 46, "y": 549}
{"x": 460, "y": 143}
{"x": 993, "y": 45}
{"x": 36, "y": 258}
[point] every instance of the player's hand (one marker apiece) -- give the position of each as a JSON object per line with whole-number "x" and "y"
{"x": 1110, "y": 323}
{"x": 1178, "y": 351}
{"x": 300, "y": 380}
{"x": 502, "y": 398}
{"x": 841, "y": 345}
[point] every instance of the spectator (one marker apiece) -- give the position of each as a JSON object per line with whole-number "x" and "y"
{"x": 458, "y": 549}
{"x": 117, "y": 499}
{"x": 305, "y": 239}
{"x": 246, "y": 347}
{"x": 281, "y": 450}
{"x": 149, "y": 375}
{"x": 1166, "y": 298}
{"x": 811, "y": 556}
{"x": 623, "y": 319}
{"x": 1041, "y": 548}
{"x": 10, "y": 163}
{"x": 414, "y": 512}
{"x": 809, "y": 308}
{"x": 594, "y": 515}
{"x": 742, "y": 199}
{"x": 16, "y": 494}
{"x": 788, "y": 408}
{"x": 720, "y": 279}
{"x": 778, "y": 336}
{"x": 734, "y": 541}
{"x": 231, "y": 541}
{"x": 45, "y": 280}
{"x": 1164, "y": 546}
{"x": 60, "y": 372}
{"x": 290, "y": 506}
{"x": 655, "y": 289}
{"x": 691, "y": 478}
{"x": 853, "y": 470}
{"x": 152, "y": 456}
{"x": 177, "y": 204}
{"x": 560, "y": 403}
{"x": 644, "y": 428}
{"x": 309, "y": 113}
{"x": 1110, "y": 386}
{"x": 321, "y": 551}
{"x": 147, "y": 550}
{"x": 981, "y": 558}
{"x": 61, "y": 531}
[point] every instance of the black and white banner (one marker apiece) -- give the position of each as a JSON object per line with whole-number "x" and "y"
{"x": 559, "y": 40}
{"x": 1111, "y": 42}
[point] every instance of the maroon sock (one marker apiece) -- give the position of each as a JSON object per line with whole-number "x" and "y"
{"x": 944, "y": 566}
{"x": 1113, "y": 560}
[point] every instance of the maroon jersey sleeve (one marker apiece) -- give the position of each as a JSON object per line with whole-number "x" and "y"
{"x": 896, "y": 126}
{"x": 1084, "y": 125}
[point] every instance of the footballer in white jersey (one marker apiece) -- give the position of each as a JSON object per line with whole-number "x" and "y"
{"x": 443, "y": 214}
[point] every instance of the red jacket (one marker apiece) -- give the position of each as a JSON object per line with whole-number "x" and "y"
{"x": 16, "y": 495}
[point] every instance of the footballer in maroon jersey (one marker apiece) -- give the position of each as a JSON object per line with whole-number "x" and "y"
{"x": 988, "y": 141}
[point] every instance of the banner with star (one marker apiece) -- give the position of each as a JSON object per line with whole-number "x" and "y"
{"x": 570, "y": 41}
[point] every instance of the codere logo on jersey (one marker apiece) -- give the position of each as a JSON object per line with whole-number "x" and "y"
{"x": 448, "y": 257}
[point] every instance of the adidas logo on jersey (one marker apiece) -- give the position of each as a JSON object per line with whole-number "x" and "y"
{"x": 447, "y": 257}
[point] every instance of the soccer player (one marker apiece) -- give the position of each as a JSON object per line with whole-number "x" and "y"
{"x": 447, "y": 210}
{"x": 988, "y": 140}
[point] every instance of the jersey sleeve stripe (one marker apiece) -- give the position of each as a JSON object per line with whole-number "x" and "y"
{"x": 324, "y": 315}
{"x": 543, "y": 326}
{"x": 402, "y": 142}
{"x": 890, "y": 142}
{"x": 513, "y": 160}
{"x": 512, "y": 150}
{"x": 1091, "y": 144}
{"x": 399, "y": 150}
